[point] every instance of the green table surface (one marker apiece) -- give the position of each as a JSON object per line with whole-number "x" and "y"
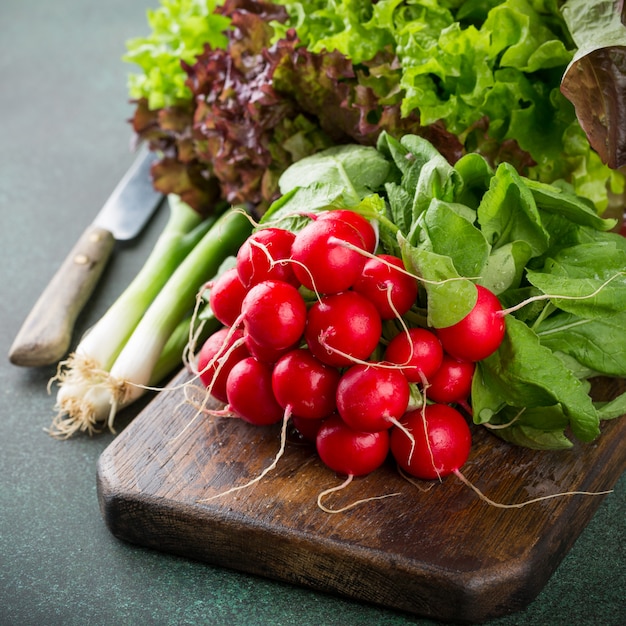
{"x": 64, "y": 143}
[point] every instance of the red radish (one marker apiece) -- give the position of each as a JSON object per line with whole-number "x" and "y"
{"x": 217, "y": 357}
{"x": 264, "y": 256}
{"x": 392, "y": 292}
{"x": 226, "y": 295}
{"x": 372, "y": 398}
{"x": 348, "y": 451}
{"x": 479, "y": 333}
{"x": 263, "y": 353}
{"x": 452, "y": 382}
{"x": 250, "y": 395}
{"x": 343, "y": 327}
{"x": 442, "y": 442}
{"x": 322, "y": 263}
{"x": 274, "y": 314}
{"x": 365, "y": 229}
{"x": 418, "y": 352}
{"x": 307, "y": 428}
{"x": 304, "y": 385}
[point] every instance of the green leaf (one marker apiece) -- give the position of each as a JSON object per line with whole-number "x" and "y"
{"x": 507, "y": 212}
{"x": 614, "y": 408}
{"x": 437, "y": 180}
{"x": 179, "y": 29}
{"x": 448, "y": 230}
{"x": 524, "y": 373}
{"x": 521, "y": 35}
{"x": 356, "y": 169}
{"x": 540, "y": 428}
{"x": 400, "y": 206}
{"x": 476, "y": 174}
{"x": 535, "y": 438}
{"x": 579, "y": 272}
{"x": 505, "y": 267}
{"x": 450, "y": 296}
{"x": 599, "y": 343}
{"x": 557, "y": 200}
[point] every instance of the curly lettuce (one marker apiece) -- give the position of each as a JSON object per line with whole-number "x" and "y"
{"x": 179, "y": 30}
{"x": 489, "y": 71}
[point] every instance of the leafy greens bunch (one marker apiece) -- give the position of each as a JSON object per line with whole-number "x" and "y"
{"x": 545, "y": 252}
{"x": 289, "y": 78}
{"x": 254, "y": 107}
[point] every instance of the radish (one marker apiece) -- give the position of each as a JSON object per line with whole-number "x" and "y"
{"x": 226, "y": 295}
{"x": 321, "y": 262}
{"x": 452, "y": 382}
{"x": 304, "y": 385}
{"x": 479, "y": 333}
{"x": 250, "y": 395}
{"x": 391, "y": 291}
{"x": 267, "y": 354}
{"x": 364, "y": 228}
{"x": 441, "y": 442}
{"x": 216, "y": 358}
{"x": 348, "y": 451}
{"x": 342, "y": 329}
{"x": 418, "y": 352}
{"x": 372, "y": 398}
{"x": 264, "y": 256}
{"x": 306, "y": 427}
{"x": 274, "y": 314}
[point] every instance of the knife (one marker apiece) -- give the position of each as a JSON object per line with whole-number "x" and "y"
{"x": 46, "y": 333}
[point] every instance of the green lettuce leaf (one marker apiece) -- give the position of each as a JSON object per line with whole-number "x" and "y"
{"x": 179, "y": 30}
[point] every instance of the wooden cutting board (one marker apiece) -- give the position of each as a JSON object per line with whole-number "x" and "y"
{"x": 435, "y": 550}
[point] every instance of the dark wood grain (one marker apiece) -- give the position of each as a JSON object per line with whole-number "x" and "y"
{"x": 438, "y": 551}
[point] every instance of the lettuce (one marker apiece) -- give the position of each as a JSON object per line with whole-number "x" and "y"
{"x": 489, "y": 71}
{"x": 234, "y": 91}
{"x": 179, "y": 29}
{"x": 595, "y": 80}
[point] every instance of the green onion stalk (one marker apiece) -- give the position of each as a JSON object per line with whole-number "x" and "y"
{"x": 143, "y": 335}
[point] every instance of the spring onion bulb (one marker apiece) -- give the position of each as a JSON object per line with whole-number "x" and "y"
{"x": 143, "y": 333}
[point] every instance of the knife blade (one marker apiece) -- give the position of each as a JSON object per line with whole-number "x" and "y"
{"x": 46, "y": 334}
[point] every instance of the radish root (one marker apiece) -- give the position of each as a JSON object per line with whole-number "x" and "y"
{"x": 269, "y": 468}
{"x": 519, "y": 505}
{"x": 343, "y": 485}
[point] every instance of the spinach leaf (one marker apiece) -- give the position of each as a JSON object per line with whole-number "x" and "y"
{"x": 504, "y": 267}
{"x": 541, "y": 428}
{"x": 476, "y": 175}
{"x": 614, "y": 408}
{"x": 536, "y": 438}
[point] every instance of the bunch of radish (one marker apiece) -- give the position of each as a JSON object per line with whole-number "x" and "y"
{"x": 303, "y": 341}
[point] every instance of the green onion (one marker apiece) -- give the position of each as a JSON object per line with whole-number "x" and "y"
{"x": 142, "y": 334}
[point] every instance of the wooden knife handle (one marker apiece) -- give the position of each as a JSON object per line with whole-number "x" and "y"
{"x": 46, "y": 334}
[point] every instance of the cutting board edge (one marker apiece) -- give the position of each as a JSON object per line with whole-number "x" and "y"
{"x": 121, "y": 505}
{"x": 417, "y": 588}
